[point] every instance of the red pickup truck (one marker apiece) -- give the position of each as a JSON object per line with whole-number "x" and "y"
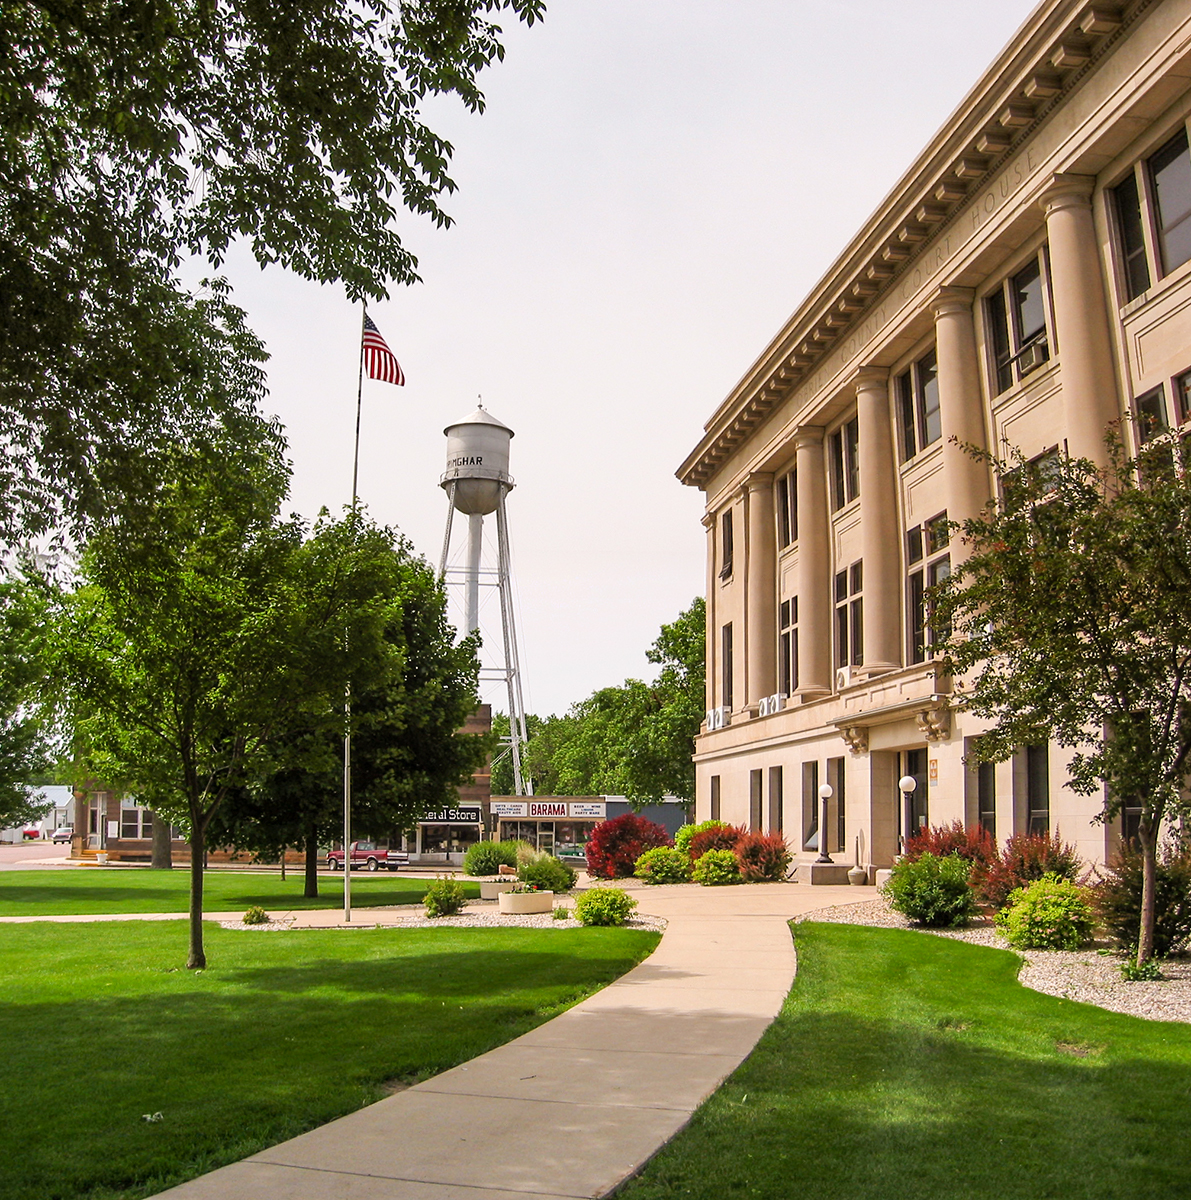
{"x": 365, "y": 854}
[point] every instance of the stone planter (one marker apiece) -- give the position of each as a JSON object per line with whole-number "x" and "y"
{"x": 520, "y": 903}
{"x": 858, "y": 876}
{"x": 491, "y": 888}
{"x": 101, "y": 857}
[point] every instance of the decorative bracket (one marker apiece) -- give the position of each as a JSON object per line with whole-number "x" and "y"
{"x": 934, "y": 722}
{"x": 856, "y": 737}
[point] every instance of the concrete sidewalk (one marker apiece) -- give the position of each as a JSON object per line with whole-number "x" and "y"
{"x": 574, "y": 1107}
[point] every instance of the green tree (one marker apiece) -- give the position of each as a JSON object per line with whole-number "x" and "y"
{"x": 1068, "y": 619}
{"x": 25, "y": 758}
{"x": 133, "y": 136}
{"x": 191, "y": 643}
{"x": 408, "y": 754}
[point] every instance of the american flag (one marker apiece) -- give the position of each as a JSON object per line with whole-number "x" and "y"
{"x": 378, "y": 358}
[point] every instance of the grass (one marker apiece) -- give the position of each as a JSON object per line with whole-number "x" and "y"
{"x": 914, "y": 1066}
{"x": 285, "y": 1032}
{"x": 85, "y": 891}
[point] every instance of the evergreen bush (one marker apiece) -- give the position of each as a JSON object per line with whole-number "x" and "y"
{"x": 444, "y": 897}
{"x": 716, "y": 867}
{"x": 932, "y": 890}
{"x": 663, "y": 864}
{"x": 486, "y": 858}
{"x": 1117, "y": 900}
{"x": 548, "y": 873}
{"x": 604, "y": 906}
{"x": 1051, "y": 913}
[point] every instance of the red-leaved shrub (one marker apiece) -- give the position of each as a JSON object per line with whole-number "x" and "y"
{"x": 1026, "y": 857}
{"x": 615, "y": 845}
{"x": 974, "y": 844}
{"x": 763, "y": 857}
{"x": 725, "y": 837}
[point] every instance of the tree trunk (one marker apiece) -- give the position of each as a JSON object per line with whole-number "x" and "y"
{"x": 1146, "y": 835}
{"x": 163, "y": 857}
{"x": 197, "y": 960}
{"x": 311, "y": 889}
{"x": 283, "y": 853}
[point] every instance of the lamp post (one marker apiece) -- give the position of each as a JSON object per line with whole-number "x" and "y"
{"x": 825, "y": 794}
{"x": 907, "y": 784}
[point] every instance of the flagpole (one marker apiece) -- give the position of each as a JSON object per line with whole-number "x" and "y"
{"x": 347, "y": 695}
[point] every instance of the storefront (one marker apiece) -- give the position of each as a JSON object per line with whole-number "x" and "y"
{"x": 444, "y": 836}
{"x": 551, "y": 825}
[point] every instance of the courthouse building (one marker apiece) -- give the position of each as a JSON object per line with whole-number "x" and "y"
{"x": 1025, "y": 284}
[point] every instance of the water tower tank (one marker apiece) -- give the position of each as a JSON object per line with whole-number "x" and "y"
{"x": 477, "y": 462}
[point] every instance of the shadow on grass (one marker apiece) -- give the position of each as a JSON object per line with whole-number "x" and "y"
{"x": 242, "y": 1056}
{"x": 916, "y": 1067}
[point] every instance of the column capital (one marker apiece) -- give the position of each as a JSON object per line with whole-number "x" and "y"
{"x": 870, "y": 379}
{"x": 758, "y": 481}
{"x": 808, "y": 435}
{"x": 952, "y": 299}
{"x": 1067, "y": 191}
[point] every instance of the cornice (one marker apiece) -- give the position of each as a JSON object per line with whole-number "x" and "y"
{"x": 1053, "y": 51}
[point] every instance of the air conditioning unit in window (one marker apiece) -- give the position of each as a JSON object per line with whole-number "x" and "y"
{"x": 768, "y": 705}
{"x": 1031, "y": 358}
{"x": 717, "y": 718}
{"x": 843, "y": 678}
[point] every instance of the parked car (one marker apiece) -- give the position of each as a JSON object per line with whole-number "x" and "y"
{"x": 31, "y": 833}
{"x": 366, "y": 854}
{"x": 63, "y": 833}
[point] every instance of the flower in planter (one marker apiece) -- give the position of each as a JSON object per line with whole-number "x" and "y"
{"x": 522, "y": 888}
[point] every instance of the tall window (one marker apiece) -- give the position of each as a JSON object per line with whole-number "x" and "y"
{"x": 1017, "y": 322}
{"x": 1038, "y": 788}
{"x": 787, "y": 663}
{"x": 787, "y": 509}
{"x": 135, "y": 822}
{"x": 836, "y": 776}
{"x": 1163, "y": 408}
{"x": 715, "y": 798}
{"x": 726, "y": 544}
{"x": 845, "y": 463}
{"x": 918, "y": 400}
{"x": 929, "y": 564}
{"x": 726, "y": 665}
{"x": 1153, "y": 210}
{"x": 849, "y": 616}
{"x": 756, "y": 800}
{"x": 776, "y": 788}
{"x": 986, "y": 798}
{"x": 810, "y": 806}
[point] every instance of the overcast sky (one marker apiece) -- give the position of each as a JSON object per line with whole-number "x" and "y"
{"x": 653, "y": 189}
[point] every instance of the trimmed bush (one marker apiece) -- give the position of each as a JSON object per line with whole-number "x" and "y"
{"x": 561, "y": 912}
{"x": 763, "y": 857}
{"x": 932, "y": 890}
{"x": 604, "y": 906}
{"x": 1026, "y": 857}
{"x": 974, "y": 844}
{"x": 720, "y": 837}
{"x": 682, "y": 839}
{"x": 1049, "y": 914}
{"x": 716, "y": 867}
{"x": 256, "y": 916}
{"x": 1117, "y": 900}
{"x": 615, "y": 845}
{"x": 486, "y": 858}
{"x": 444, "y": 897}
{"x": 663, "y": 864}
{"x": 548, "y": 873}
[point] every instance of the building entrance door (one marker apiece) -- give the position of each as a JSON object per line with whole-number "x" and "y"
{"x": 914, "y": 816}
{"x": 546, "y": 837}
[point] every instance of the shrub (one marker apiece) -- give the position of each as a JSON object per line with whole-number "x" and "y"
{"x": 523, "y": 852}
{"x": 548, "y": 873}
{"x": 682, "y": 839}
{"x": 932, "y": 890}
{"x": 444, "y": 897}
{"x": 1051, "y": 913}
{"x": 256, "y": 916}
{"x": 763, "y": 857}
{"x": 1026, "y": 857}
{"x": 719, "y": 837}
{"x": 973, "y": 844}
{"x": 716, "y": 867}
{"x": 486, "y": 858}
{"x": 615, "y": 845}
{"x": 663, "y": 864}
{"x": 1117, "y": 900}
{"x": 1149, "y": 971}
{"x": 604, "y": 906}
{"x": 561, "y": 912}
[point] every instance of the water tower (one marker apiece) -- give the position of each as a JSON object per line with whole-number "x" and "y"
{"x": 477, "y": 481}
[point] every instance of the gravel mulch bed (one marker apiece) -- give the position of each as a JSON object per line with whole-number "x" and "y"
{"x": 1083, "y": 975}
{"x": 471, "y": 920}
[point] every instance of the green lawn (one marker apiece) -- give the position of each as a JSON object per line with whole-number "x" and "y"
{"x": 284, "y": 1032}
{"x": 82, "y": 891}
{"x": 915, "y": 1067}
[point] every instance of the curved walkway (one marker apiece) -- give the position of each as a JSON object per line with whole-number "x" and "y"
{"x": 575, "y": 1106}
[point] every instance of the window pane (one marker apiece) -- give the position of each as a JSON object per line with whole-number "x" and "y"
{"x": 726, "y": 545}
{"x": 986, "y": 793}
{"x": 857, "y": 575}
{"x": 783, "y": 665}
{"x": 838, "y": 497}
{"x": 929, "y": 425}
{"x": 784, "y": 615}
{"x": 783, "y": 511}
{"x": 1151, "y": 415}
{"x": 841, "y": 636}
{"x": 852, "y": 455}
{"x": 857, "y": 633}
{"x": 1029, "y": 316}
{"x": 1182, "y": 388}
{"x": 914, "y": 544}
{"x": 1133, "y": 247}
{"x": 905, "y": 399}
{"x": 792, "y": 491}
{"x": 1170, "y": 170}
{"x": 917, "y": 617}
{"x": 726, "y": 665}
{"x": 841, "y": 586}
{"x": 998, "y": 324}
{"x": 937, "y": 534}
{"x": 1038, "y": 788}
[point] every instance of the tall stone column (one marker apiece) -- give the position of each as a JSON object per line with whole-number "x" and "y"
{"x": 1090, "y": 399}
{"x": 879, "y": 538}
{"x": 814, "y": 566}
{"x": 712, "y": 650}
{"x": 967, "y": 484}
{"x": 761, "y": 589}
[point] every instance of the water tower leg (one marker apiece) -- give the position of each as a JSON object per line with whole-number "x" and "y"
{"x": 446, "y": 541}
{"x": 475, "y": 545}
{"x": 517, "y": 730}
